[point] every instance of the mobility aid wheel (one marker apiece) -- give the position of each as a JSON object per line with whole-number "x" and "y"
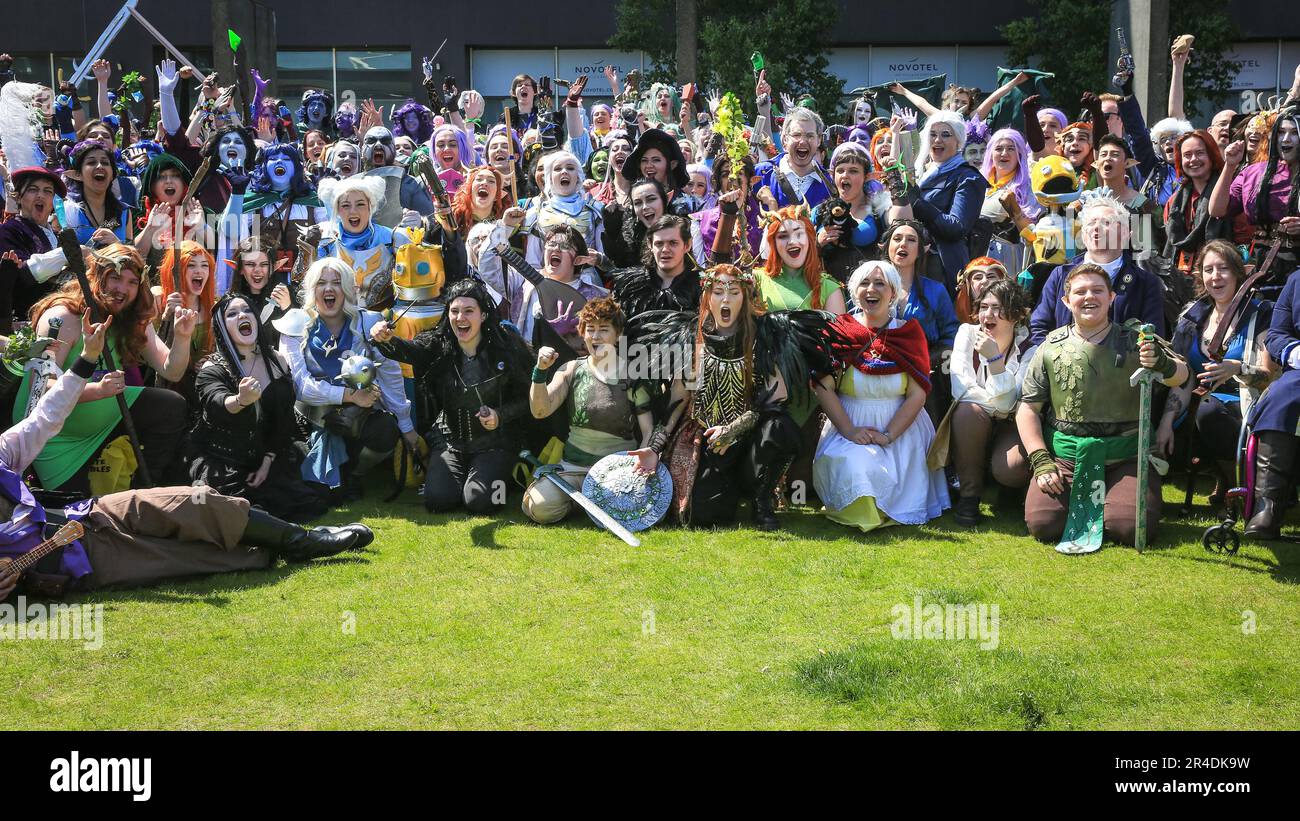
{"x": 1216, "y": 539}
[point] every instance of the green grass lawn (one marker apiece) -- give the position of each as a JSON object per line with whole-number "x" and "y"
{"x": 495, "y": 623}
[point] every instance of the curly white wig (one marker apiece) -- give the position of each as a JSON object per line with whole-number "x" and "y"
{"x": 1169, "y": 127}
{"x": 330, "y": 190}
{"x": 21, "y": 122}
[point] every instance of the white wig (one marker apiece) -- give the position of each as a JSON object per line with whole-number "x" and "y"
{"x": 1169, "y": 126}
{"x": 21, "y": 123}
{"x": 1101, "y": 199}
{"x": 348, "y": 285}
{"x": 891, "y": 276}
{"x": 549, "y": 161}
{"x": 332, "y": 190}
{"x": 949, "y": 118}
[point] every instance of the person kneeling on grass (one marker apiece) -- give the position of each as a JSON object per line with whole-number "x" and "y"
{"x": 1087, "y": 480}
{"x": 604, "y": 410}
{"x": 139, "y": 536}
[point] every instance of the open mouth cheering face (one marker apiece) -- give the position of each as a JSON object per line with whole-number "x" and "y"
{"x": 354, "y": 212}
{"x": 170, "y": 187}
{"x": 196, "y": 274}
{"x": 565, "y": 176}
{"x": 904, "y": 247}
{"x": 280, "y": 170}
{"x": 466, "y": 318}
{"x": 726, "y": 301}
{"x": 647, "y": 204}
{"x": 485, "y": 191}
{"x": 96, "y": 170}
{"x": 241, "y": 324}
{"x": 378, "y": 147}
{"x": 232, "y": 151}
{"x": 1075, "y": 145}
{"x": 345, "y": 159}
{"x": 990, "y": 314}
{"x": 328, "y": 294}
{"x": 255, "y": 266}
{"x": 447, "y": 150}
{"x": 119, "y": 289}
{"x": 874, "y": 293}
{"x": 792, "y": 243}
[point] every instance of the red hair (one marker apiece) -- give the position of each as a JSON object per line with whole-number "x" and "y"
{"x": 812, "y": 264}
{"x": 1211, "y": 150}
{"x": 174, "y": 263}
{"x": 965, "y": 310}
{"x": 462, "y": 203}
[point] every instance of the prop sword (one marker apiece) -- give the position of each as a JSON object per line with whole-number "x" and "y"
{"x": 1143, "y": 377}
{"x": 72, "y": 250}
{"x": 552, "y": 472}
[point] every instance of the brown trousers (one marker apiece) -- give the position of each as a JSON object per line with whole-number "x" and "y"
{"x": 140, "y": 537}
{"x": 1045, "y": 513}
{"x": 972, "y": 428}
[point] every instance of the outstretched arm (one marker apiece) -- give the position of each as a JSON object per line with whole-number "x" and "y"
{"x": 985, "y": 107}
{"x": 922, "y": 104}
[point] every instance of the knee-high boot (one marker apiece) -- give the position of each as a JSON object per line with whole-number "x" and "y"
{"x": 1275, "y": 462}
{"x": 296, "y": 543}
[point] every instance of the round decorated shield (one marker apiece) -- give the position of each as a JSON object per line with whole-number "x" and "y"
{"x": 635, "y": 500}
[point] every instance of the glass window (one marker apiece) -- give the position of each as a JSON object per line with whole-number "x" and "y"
{"x": 382, "y": 75}
{"x": 297, "y": 71}
{"x": 32, "y": 68}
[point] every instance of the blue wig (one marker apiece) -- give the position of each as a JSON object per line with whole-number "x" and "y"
{"x": 299, "y": 186}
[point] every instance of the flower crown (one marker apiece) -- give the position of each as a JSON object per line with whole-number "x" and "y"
{"x": 710, "y": 276}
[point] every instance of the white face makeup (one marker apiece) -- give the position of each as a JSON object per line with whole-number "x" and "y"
{"x": 241, "y": 324}
{"x": 1288, "y": 140}
{"x": 861, "y": 112}
{"x": 345, "y": 159}
{"x": 973, "y": 153}
{"x": 232, "y": 151}
{"x": 792, "y": 243}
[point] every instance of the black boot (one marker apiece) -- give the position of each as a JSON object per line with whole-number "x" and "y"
{"x": 769, "y": 476}
{"x": 1275, "y": 459}
{"x": 967, "y": 511}
{"x": 296, "y": 543}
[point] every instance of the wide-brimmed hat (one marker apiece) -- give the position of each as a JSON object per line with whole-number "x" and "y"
{"x": 667, "y": 145}
{"x": 635, "y": 500}
{"x": 25, "y": 176}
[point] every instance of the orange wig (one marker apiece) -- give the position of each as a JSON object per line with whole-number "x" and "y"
{"x": 812, "y": 264}
{"x": 462, "y": 204}
{"x": 172, "y": 271}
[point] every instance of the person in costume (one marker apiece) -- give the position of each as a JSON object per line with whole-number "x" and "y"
{"x": 1228, "y": 381}
{"x": 736, "y": 433}
{"x": 989, "y": 360}
{"x": 229, "y": 146}
{"x": 352, "y": 236}
{"x": 1266, "y": 192}
{"x": 607, "y": 414}
{"x": 625, "y": 226}
{"x": 979, "y": 274}
{"x": 471, "y": 373}
{"x": 413, "y": 120}
{"x": 1041, "y": 126}
{"x": 91, "y": 208}
{"x": 243, "y": 442}
{"x": 849, "y": 223}
{"x": 352, "y": 429}
{"x": 661, "y": 106}
{"x": 668, "y": 278}
{"x": 1053, "y": 239}
{"x": 1275, "y": 419}
{"x": 25, "y": 109}
{"x": 135, "y": 537}
{"x": 282, "y": 199}
{"x": 794, "y": 176}
{"x": 163, "y": 185}
{"x": 1078, "y": 421}
{"x": 160, "y": 416}
{"x": 793, "y": 277}
{"x": 614, "y": 187}
{"x": 317, "y": 113}
{"x": 733, "y": 192}
{"x": 949, "y": 194}
{"x": 403, "y": 192}
{"x": 564, "y": 204}
{"x": 1007, "y": 166}
{"x": 565, "y": 254}
{"x": 657, "y": 156}
{"x": 906, "y": 246}
{"x": 505, "y": 153}
{"x": 1188, "y": 224}
{"x": 187, "y": 279}
{"x": 253, "y": 280}
{"x": 343, "y": 159}
{"x": 523, "y": 114}
{"x": 1113, "y": 160}
{"x": 453, "y": 155}
{"x": 870, "y": 467}
{"x": 29, "y": 254}
{"x": 1136, "y": 292}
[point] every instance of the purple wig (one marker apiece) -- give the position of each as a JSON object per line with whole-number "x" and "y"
{"x": 425, "y": 130}
{"x": 1056, "y": 113}
{"x": 463, "y": 149}
{"x": 1020, "y": 183}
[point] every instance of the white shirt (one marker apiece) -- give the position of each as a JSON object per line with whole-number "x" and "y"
{"x": 798, "y": 183}
{"x": 997, "y": 393}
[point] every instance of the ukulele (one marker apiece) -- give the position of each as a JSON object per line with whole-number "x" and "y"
{"x": 67, "y": 534}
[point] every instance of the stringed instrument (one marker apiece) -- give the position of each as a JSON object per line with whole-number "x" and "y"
{"x": 15, "y": 568}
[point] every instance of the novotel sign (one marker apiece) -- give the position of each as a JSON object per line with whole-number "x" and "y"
{"x": 914, "y": 67}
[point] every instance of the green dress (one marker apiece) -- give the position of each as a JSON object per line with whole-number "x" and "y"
{"x": 789, "y": 292}
{"x": 84, "y": 431}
